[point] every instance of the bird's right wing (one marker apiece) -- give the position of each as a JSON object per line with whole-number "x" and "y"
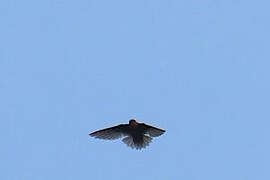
{"x": 112, "y": 132}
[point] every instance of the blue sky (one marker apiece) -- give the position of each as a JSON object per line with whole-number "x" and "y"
{"x": 199, "y": 69}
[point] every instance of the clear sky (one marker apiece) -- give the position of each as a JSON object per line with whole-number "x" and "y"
{"x": 199, "y": 69}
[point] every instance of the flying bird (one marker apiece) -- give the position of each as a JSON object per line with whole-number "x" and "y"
{"x": 137, "y": 135}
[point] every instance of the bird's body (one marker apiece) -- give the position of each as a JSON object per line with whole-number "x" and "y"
{"x": 138, "y": 135}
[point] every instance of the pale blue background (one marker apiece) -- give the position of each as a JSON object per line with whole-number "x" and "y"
{"x": 199, "y": 69}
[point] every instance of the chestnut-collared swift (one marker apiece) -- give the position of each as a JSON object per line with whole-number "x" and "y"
{"x": 137, "y": 135}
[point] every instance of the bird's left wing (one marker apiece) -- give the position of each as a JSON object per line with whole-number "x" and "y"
{"x": 153, "y": 131}
{"x": 111, "y": 133}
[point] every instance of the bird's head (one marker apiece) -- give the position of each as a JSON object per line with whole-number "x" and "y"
{"x": 133, "y": 122}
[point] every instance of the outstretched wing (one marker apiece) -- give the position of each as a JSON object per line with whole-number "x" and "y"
{"x": 111, "y": 133}
{"x": 153, "y": 131}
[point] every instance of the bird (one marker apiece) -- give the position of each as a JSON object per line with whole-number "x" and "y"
{"x": 137, "y": 135}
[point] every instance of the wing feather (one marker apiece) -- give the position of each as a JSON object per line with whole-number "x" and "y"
{"x": 111, "y": 133}
{"x": 153, "y": 131}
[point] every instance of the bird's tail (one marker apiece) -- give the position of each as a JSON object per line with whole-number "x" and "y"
{"x": 129, "y": 142}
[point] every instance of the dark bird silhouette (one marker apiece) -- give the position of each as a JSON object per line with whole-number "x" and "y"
{"x": 138, "y": 135}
